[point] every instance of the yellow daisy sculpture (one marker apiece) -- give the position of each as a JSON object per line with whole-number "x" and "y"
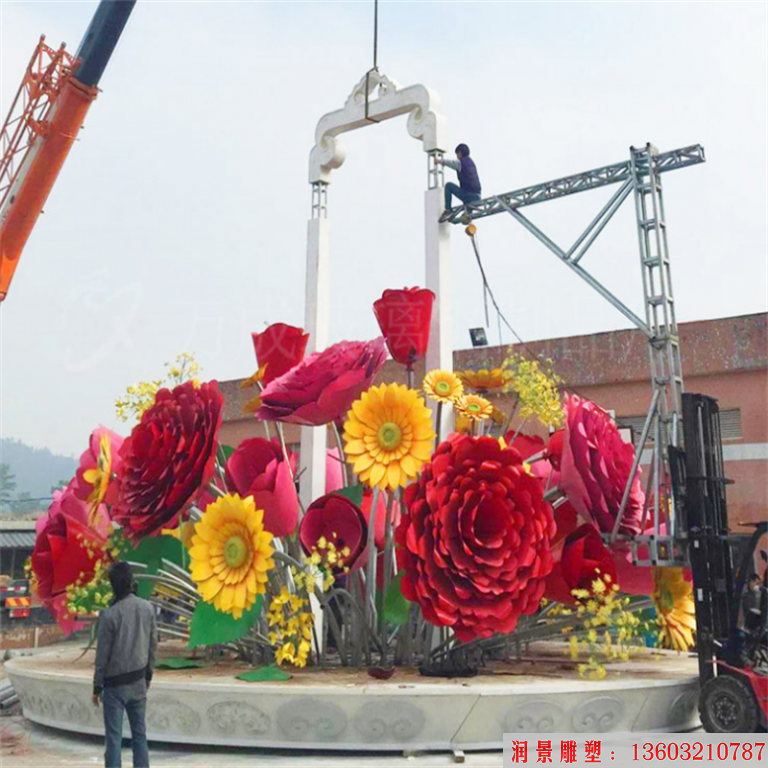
{"x": 443, "y": 386}
{"x": 388, "y": 435}
{"x": 474, "y": 407}
{"x": 675, "y": 610}
{"x": 484, "y": 379}
{"x": 231, "y": 554}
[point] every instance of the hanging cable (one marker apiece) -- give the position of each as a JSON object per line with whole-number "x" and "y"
{"x": 375, "y": 34}
{"x": 471, "y": 230}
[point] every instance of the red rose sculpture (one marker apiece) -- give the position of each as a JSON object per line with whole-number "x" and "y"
{"x": 279, "y": 347}
{"x": 474, "y": 540}
{"x": 404, "y": 318}
{"x": 594, "y": 465}
{"x": 66, "y": 549}
{"x": 168, "y": 458}
{"x": 323, "y": 386}
{"x": 257, "y": 468}
{"x": 338, "y": 520}
{"x": 578, "y": 560}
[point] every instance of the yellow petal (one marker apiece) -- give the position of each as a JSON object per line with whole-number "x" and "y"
{"x": 377, "y": 473}
{"x": 209, "y": 589}
{"x": 227, "y": 598}
{"x": 355, "y": 447}
{"x": 393, "y": 474}
{"x": 201, "y": 571}
{"x": 408, "y": 465}
{"x": 362, "y": 463}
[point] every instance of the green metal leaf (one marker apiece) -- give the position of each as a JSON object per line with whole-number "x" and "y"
{"x": 354, "y": 493}
{"x": 150, "y": 552}
{"x": 225, "y": 451}
{"x": 177, "y": 662}
{"x": 396, "y": 607}
{"x": 210, "y": 626}
{"x": 272, "y": 673}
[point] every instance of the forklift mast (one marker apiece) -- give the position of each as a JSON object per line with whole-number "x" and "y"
{"x": 699, "y": 486}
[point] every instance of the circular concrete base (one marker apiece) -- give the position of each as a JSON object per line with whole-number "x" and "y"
{"x": 340, "y": 709}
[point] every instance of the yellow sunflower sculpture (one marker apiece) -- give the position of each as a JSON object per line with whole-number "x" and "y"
{"x": 675, "y": 610}
{"x": 443, "y": 386}
{"x": 231, "y": 554}
{"x": 484, "y": 379}
{"x": 474, "y": 407}
{"x": 388, "y": 435}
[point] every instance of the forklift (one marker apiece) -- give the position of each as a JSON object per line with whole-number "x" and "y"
{"x": 729, "y": 580}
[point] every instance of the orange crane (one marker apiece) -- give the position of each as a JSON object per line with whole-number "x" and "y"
{"x": 43, "y": 122}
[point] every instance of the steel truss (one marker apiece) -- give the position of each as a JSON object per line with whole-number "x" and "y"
{"x": 664, "y": 541}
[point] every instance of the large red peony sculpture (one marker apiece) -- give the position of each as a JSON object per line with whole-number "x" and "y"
{"x": 474, "y": 539}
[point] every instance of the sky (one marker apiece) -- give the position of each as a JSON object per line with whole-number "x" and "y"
{"x": 179, "y": 220}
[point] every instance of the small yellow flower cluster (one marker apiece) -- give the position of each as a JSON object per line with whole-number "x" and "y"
{"x": 328, "y": 558}
{"x": 606, "y": 628}
{"x": 537, "y": 388}
{"x": 89, "y": 598}
{"x": 139, "y": 397}
{"x": 290, "y": 622}
{"x": 30, "y": 574}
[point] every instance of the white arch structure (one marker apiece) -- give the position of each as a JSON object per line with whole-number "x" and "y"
{"x": 374, "y": 99}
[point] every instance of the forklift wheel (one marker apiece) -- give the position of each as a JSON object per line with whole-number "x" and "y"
{"x": 727, "y": 705}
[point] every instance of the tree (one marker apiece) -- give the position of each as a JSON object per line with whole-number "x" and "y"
{"x": 24, "y": 503}
{"x": 7, "y": 486}
{"x": 61, "y": 484}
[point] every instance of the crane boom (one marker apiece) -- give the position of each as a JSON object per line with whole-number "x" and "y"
{"x": 43, "y": 123}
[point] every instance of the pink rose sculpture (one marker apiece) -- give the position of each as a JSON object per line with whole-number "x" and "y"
{"x": 258, "y": 468}
{"x": 594, "y": 464}
{"x": 324, "y": 385}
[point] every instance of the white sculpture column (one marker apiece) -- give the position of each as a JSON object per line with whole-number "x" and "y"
{"x": 439, "y": 279}
{"x": 426, "y": 124}
{"x": 316, "y": 322}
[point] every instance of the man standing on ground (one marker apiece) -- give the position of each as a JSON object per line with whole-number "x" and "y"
{"x": 125, "y": 661}
{"x": 469, "y": 181}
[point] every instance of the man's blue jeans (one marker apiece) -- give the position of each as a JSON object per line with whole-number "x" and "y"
{"x": 463, "y": 195}
{"x": 132, "y": 699}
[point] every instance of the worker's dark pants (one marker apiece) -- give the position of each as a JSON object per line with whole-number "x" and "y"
{"x": 462, "y": 194}
{"x": 130, "y": 699}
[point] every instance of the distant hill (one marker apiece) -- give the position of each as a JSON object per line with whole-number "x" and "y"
{"x": 35, "y": 470}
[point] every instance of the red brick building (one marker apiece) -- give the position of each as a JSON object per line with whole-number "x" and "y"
{"x": 725, "y": 358}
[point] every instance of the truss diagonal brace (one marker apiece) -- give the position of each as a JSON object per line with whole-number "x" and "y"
{"x": 599, "y": 222}
{"x": 582, "y": 273}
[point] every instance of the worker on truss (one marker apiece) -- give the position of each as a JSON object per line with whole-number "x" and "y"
{"x": 468, "y": 189}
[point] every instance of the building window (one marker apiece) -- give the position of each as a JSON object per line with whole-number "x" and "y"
{"x": 730, "y": 425}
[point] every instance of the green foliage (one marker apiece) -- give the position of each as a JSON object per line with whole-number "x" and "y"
{"x": 272, "y": 673}
{"x": 354, "y": 493}
{"x": 151, "y": 551}
{"x": 396, "y": 607}
{"x": 177, "y": 662}
{"x": 212, "y": 627}
{"x": 225, "y": 451}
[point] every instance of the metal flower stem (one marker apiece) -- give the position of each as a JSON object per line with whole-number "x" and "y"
{"x": 388, "y": 542}
{"x": 370, "y": 575}
{"x": 522, "y": 424}
{"x": 409, "y": 375}
{"x": 340, "y": 445}
{"x": 439, "y": 421}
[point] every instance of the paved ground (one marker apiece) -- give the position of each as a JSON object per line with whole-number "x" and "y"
{"x": 33, "y": 746}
